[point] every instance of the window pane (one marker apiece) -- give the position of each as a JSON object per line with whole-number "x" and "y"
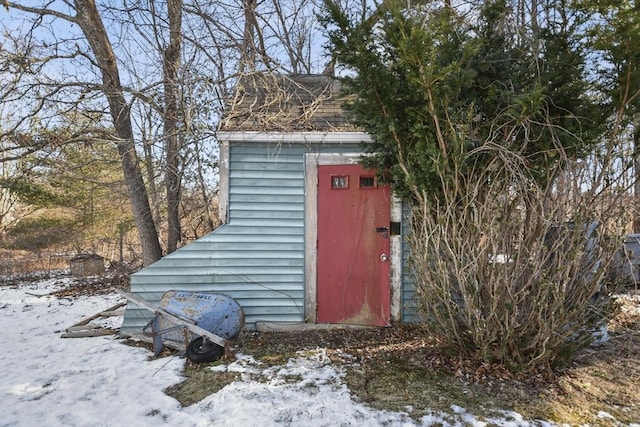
{"x": 339, "y": 181}
{"x": 367, "y": 182}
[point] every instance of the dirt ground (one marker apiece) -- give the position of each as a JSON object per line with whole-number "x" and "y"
{"x": 398, "y": 367}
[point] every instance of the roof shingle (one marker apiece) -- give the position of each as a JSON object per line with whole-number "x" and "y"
{"x": 286, "y": 103}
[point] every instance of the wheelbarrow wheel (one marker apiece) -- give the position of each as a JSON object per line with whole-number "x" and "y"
{"x": 201, "y": 350}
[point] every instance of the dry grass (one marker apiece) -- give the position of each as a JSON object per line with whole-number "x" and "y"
{"x": 15, "y": 262}
{"x": 399, "y": 368}
{"x": 605, "y": 379}
{"x": 199, "y": 384}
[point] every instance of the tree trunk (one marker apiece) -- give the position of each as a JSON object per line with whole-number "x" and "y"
{"x": 149, "y": 170}
{"x": 636, "y": 184}
{"x": 89, "y": 20}
{"x": 171, "y": 63}
{"x": 248, "y": 53}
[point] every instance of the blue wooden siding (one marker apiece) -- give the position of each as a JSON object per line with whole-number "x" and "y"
{"x": 258, "y": 257}
{"x": 409, "y": 311}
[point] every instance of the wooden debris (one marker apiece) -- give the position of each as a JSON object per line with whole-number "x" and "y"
{"x": 84, "y": 328}
{"x": 98, "y": 332}
{"x": 112, "y": 313}
{"x": 37, "y": 295}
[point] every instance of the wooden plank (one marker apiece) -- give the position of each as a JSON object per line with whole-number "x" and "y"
{"x": 88, "y": 333}
{"x": 98, "y": 315}
{"x": 112, "y": 313}
{"x": 78, "y": 328}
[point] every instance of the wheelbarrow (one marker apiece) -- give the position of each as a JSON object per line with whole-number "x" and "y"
{"x": 205, "y": 322}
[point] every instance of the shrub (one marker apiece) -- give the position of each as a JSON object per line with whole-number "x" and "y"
{"x": 511, "y": 270}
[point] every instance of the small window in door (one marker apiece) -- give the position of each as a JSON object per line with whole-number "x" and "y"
{"x": 339, "y": 182}
{"x": 367, "y": 182}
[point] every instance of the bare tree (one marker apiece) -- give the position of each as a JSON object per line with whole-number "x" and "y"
{"x": 88, "y": 19}
{"x": 171, "y": 65}
{"x": 271, "y": 36}
{"x": 69, "y": 57}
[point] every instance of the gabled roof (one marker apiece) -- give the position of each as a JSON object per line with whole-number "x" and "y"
{"x": 286, "y": 103}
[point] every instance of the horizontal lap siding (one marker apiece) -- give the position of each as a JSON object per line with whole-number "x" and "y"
{"x": 410, "y": 312}
{"x": 258, "y": 257}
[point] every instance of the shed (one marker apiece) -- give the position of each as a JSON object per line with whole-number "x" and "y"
{"x": 309, "y": 236}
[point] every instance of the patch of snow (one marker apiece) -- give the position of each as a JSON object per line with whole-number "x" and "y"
{"x": 513, "y": 419}
{"x": 86, "y": 382}
{"x": 600, "y": 335}
{"x": 243, "y": 365}
{"x": 605, "y": 415}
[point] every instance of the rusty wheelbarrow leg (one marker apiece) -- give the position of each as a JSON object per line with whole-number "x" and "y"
{"x": 155, "y": 331}
{"x": 214, "y": 319}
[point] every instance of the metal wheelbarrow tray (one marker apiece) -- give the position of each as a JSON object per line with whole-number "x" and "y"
{"x": 214, "y": 320}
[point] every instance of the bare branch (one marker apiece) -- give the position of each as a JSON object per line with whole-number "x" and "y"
{"x": 40, "y": 11}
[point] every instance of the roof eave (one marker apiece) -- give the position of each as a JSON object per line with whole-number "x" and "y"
{"x": 294, "y": 137}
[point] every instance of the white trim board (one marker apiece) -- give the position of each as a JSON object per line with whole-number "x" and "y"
{"x": 294, "y": 137}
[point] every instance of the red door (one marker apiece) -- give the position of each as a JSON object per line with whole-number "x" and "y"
{"x": 353, "y": 247}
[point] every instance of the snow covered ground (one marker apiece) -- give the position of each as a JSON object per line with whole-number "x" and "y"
{"x": 47, "y": 380}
